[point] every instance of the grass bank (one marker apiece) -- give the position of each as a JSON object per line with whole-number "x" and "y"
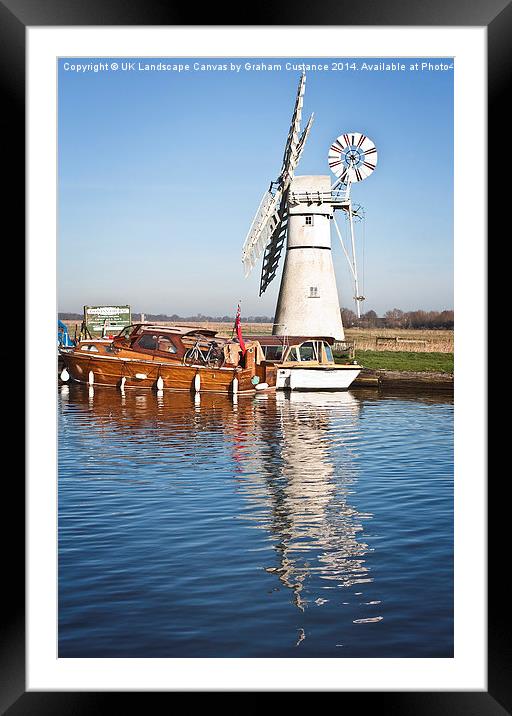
{"x": 401, "y": 340}
{"x": 406, "y": 361}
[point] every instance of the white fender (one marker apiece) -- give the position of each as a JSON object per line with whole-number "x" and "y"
{"x": 64, "y": 375}
{"x": 90, "y": 380}
{"x": 261, "y": 386}
{"x": 197, "y": 382}
{"x": 121, "y": 384}
{"x": 235, "y": 385}
{"x": 160, "y": 383}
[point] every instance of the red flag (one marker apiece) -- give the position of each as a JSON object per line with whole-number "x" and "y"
{"x": 238, "y": 329}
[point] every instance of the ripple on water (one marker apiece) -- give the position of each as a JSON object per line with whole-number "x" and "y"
{"x": 215, "y": 529}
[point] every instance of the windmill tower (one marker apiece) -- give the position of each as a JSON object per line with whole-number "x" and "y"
{"x": 300, "y": 211}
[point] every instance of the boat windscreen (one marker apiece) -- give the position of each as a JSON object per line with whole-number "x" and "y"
{"x": 308, "y": 351}
{"x": 127, "y": 332}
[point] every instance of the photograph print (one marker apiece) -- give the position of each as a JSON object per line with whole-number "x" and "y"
{"x": 255, "y": 357}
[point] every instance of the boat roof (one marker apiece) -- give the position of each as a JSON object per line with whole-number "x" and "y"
{"x": 271, "y": 340}
{"x": 176, "y": 329}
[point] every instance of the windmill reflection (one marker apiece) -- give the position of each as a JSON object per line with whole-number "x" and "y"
{"x": 301, "y": 479}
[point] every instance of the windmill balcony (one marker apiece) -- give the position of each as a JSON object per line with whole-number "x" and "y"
{"x": 334, "y": 198}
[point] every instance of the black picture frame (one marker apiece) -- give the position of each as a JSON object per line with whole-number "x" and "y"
{"x": 15, "y": 17}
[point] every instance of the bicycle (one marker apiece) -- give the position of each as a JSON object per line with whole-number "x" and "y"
{"x": 196, "y": 355}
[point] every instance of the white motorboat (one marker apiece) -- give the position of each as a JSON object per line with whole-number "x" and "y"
{"x": 305, "y": 363}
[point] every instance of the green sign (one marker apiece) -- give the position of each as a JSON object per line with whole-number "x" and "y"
{"x": 106, "y": 321}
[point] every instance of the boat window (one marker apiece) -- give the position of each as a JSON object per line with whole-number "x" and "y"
{"x": 273, "y": 352}
{"x": 309, "y": 221}
{"x": 89, "y": 348}
{"x": 307, "y": 351}
{"x": 292, "y": 355}
{"x": 147, "y": 341}
{"x": 165, "y": 345}
{"x": 126, "y": 332}
{"x": 328, "y": 352}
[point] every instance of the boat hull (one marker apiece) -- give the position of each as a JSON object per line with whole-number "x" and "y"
{"x": 110, "y": 372}
{"x": 316, "y": 378}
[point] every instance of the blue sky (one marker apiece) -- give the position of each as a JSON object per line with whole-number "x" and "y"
{"x": 161, "y": 172}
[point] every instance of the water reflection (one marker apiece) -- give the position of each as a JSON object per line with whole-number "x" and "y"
{"x": 294, "y": 457}
{"x": 213, "y": 528}
{"x": 301, "y": 479}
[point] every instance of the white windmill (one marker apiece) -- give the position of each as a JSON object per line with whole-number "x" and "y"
{"x": 300, "y": 209}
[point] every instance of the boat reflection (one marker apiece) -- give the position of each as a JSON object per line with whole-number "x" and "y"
{"x": 294, "y": 459}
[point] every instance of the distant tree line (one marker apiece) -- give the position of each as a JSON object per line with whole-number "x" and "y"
{"x": 70, "y": 316}
{"x": 201, "y": 318}
{"x": 164, "y": 318}
{"x": 394, "y": 318}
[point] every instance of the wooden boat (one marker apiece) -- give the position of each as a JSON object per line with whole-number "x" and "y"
{"x": 306, "y": 363}
{"x": 170, "y": 357}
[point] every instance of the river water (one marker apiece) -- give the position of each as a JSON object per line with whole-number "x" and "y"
{"x": 302, "y": 525}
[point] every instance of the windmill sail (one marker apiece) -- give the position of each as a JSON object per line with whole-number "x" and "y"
{"x": 262, "y": 228}
{"x": 290, "y": 152}
{"x": 303, "y": 137}
{"x": 274, "y": 247}
{"x": 268, "y": 229}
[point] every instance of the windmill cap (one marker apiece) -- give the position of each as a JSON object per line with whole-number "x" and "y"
{"x": 317, "y": 182}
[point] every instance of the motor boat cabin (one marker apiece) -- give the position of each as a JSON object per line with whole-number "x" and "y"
{"x": 307, "y": 363}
